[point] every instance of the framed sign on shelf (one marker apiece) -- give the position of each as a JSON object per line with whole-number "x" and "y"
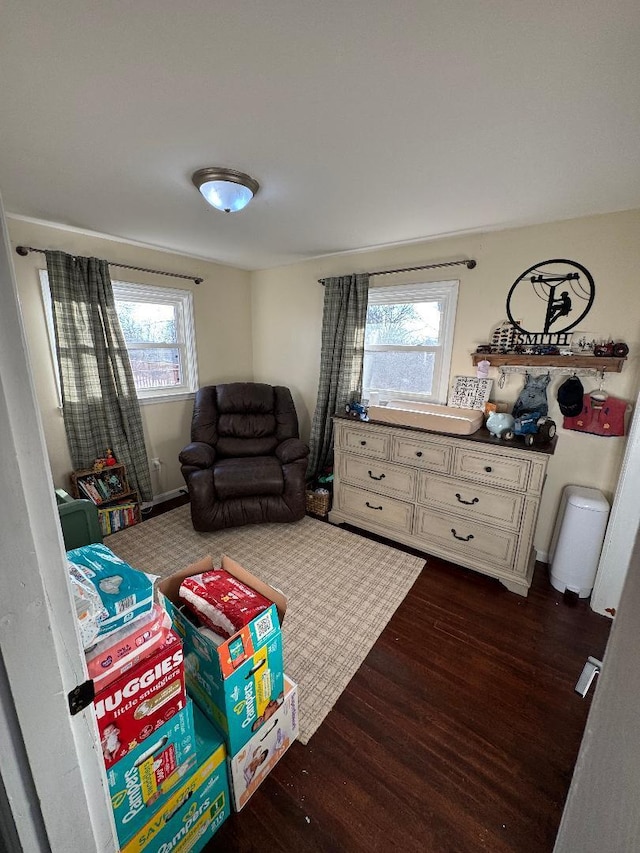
{"x": 468, "y": 392}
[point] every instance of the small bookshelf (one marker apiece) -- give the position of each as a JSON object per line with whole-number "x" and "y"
{"x": 108, "y": 488}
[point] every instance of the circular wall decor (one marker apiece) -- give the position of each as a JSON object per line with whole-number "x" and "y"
{"x": 552, "y": 297}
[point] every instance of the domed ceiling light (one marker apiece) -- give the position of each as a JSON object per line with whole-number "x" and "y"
{"x": 225, "y": 189}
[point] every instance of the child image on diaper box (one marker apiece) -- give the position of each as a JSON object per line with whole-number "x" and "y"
{"x": 196, "y": 808}
{"x": 132, "y": 707}
{"x": 249, "y": 767}
{"x": 144, "y": 779}
{"x": 235, "y": 680}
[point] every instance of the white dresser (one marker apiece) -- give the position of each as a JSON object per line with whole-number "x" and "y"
{"x": 471, "y": 500}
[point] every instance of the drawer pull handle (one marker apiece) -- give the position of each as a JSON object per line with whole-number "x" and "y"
{"x": 363, "y": 443}
{"x": 418, "y": 453}
{"x": 462, "y": 538}
{"x": 372, "y": 507}
{"x": 381, "y": 477}
{"x": 468, "y": 503}
{"x": 488, "y": 469}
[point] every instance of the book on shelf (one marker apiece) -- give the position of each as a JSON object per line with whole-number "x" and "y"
{"x": 118, "y": 517}
{"x": 90, "y": 490}
{"x": 102, "y": 487}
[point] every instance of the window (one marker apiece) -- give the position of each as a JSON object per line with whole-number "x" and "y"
{"x": 157, "y": 324}
{"x": 158, "y": 328}
{"x": 408, "y": 341}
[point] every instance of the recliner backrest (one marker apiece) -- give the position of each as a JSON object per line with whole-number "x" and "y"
{"x": 244, "y": 418}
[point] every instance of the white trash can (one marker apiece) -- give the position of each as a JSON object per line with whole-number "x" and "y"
{"x": 577, "y": 540}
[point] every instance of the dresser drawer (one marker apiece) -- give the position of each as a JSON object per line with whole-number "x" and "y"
{"x": 365, "y": 442}
{"x": 379, "y": 510}
{"x": 466, "y": 540}
{"x": 471, "y": 500}
{"x": 491, "y": 469}
{"x": 381, "y": 477}
{"x": 422, "y": 453}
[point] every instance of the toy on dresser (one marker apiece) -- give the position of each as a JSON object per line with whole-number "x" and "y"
{"x": 499, "y": 423}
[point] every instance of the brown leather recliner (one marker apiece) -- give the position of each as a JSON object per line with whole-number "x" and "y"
{"x": 245, "y": 463}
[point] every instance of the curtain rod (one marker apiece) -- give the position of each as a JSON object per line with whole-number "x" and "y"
{"x": 24, "y": 251}
{"x": 470, "y": 264}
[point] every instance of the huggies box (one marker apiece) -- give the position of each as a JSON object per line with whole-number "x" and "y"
{"x": 235, "y": 682}
{"x": 196, "y": 808}
{"x": 131, "y": 708}
{"x": 144, "y": 779}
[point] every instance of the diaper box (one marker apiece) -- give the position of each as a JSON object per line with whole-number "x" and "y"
{"x": 142, "y": 781}
{"x": 119, "y": 652}
{"x": 249, "y": 767}
{"x": 134, "y": 706}
{"x": 125, "y": 592}
{"x": 236, "y": 682}
{"x": 196, "y": 808}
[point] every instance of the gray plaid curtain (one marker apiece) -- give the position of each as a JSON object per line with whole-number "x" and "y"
{"x": 343, "y": 324}
{"x": 99, "y": 401}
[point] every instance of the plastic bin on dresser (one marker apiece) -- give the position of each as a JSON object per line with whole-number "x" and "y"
{"x": 577, "y": 540}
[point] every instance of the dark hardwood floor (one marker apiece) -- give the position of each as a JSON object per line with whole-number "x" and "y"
{"x": 458, "y": 733}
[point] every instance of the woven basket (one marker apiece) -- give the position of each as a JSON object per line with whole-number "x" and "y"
{"x": 318, "y": 504}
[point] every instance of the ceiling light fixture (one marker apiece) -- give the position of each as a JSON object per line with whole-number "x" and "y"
{"x": 225, "y": 189}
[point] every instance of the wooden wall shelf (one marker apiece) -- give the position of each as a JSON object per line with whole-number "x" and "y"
{"x": 608, "y": 364}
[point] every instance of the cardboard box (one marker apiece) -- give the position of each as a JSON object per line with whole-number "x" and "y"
{"x": 131, "y": 708}
{"x": 249, "y": 767}
{"x": 197, "y": 808}
{"x": 236, "y": 682}
{"x": 144, "y": 779}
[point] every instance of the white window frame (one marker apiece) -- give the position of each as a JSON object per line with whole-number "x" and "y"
{"x": 181, "y": 300}
{"x": 447, "y": 293}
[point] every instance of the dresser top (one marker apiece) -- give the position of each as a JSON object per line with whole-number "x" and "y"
{"x": 481, "y": 436}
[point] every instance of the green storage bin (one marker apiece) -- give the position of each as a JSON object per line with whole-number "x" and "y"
{"x": 79, "y": 520}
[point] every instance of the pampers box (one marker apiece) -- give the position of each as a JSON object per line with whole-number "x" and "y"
{"x": 197, "y": 808}
{"x": 249, "y": 767}
{"x": 236, "y": 682}
{"x": 142, "y": 781}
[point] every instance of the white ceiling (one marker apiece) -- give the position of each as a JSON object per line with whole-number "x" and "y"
{"x": 366, "y": 122}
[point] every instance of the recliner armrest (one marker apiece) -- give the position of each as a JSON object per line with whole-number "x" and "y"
{"x": 198, "y": 454}
{"x": 291, "y": 450}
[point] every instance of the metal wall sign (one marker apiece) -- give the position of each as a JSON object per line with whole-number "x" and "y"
{"x": 552, "y": 297}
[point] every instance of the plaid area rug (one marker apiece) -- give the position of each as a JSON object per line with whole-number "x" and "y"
{"x": 342, "y": 589}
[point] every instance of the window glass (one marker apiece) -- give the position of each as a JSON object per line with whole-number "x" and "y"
{"x": 399, "y": 373}
{"x": 408, "y": 341}
{"x": 409, "y": 323}
{"x": 156, "y": 368}
{"x": 146, "y": 322}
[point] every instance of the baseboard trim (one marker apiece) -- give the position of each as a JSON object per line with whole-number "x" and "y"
{"x": 542, "y": 556}
{"x": 167, "y": 496}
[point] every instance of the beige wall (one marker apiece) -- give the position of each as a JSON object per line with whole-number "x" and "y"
{"x": 222, "y": 307}
{"x": 287, "y": 320}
